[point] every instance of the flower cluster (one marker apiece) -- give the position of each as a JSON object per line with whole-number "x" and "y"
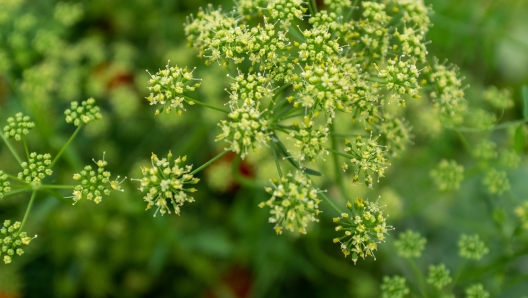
{"x": 309, "y": 141}
{"x": 499, "y": 98}
{"x": 36, "y": 168}
{"x": 497, "y": 181}
{"x": 439, "y": 276}
{"x": 5, "y": 186}
{"x": 410, "y": 244}
{"x": 448, "y": 92}
{"x": 471, "y": 247}
{"x": 165, "y": 183}
{"x": 476, "y": 291}
{"x": 485, "y": 150}
{"x": 402, "y": 79}
{"x": 364, "y": 229}
{"x": 245, "y": 130}
{"x": 293, "y": 203}
{"x": 448, "y": 175}
{"x": 395, "y": 133}
{"x": 93, "y": 184}
{"x": 394, "y": 287}
{"x": 368, "y": 157}
{"x": 509, "y": 158}
{"x": 18, "y": 126}
{"x": 522, "y": 212}
{"x": 167, "y": 88}
{"x": 11, "y": 238}
{"x": 84, "y": 113}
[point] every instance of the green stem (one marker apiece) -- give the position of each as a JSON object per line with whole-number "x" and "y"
{"x": 192, "y": 101}
{"x": 421, "y": 281}
{"x": 337, "y": 171}
{"x": 210, "y": 162}
{"x": 277, "y": 161}
{"x": 51, "y": 186}
{"x": 13, "y": 151}
{"x": 28, "y": 209}
{"x": 17, "y": 179}
{"x": 312, "y": 5}
{"x": 496, "y": 127}
{"x": 285, "y": 114}
{"x": 25, "y": 147}
{"x": 14, "y": 192}
{"x": 340, "y": 153}
{"x": 277, "y": 93}
{"x": 459, "y": 273}
{"x": 66, "y": 145}
{"x": 464, "y": 141}
{"x": 329, "y": 201}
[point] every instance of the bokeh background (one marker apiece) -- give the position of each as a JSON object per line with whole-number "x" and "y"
{"x": 52, "y": 53}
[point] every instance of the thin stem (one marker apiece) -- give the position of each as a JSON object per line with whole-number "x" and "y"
{"x": 285, "y": 114}
{"x": 66, "y": 145}
{"x": 25, "y": 147}
{"x": 192, "y": 101}
{"x": 14, "y": 192}
{"x": 464, "y": 141}
{"x": 329, "y": 201}
{"x": 28, "y": 209}
{"x": 421, "y": 281}
{"x": 13, "y": 151}
{"x": 459, "y": 273}
{"x": 16, "y": 179}
{"x": 51, "y": 186}
{"x": 496, "y": 127}
{"x": 312, "y": 5}
{"x": 340, "y": 153}
{"x": 277, "y": 161}
{"x": 210, "y": 162}
{"x": 277, "y": 93}
{"x": 337, "y": 170}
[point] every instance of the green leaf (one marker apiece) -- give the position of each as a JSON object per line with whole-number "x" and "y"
{"x": 525, "y": 101}
{"x": 311, "y": 172}
{"x": 519, "y": 139}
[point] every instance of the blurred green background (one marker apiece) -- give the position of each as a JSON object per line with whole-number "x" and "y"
{"x": 222, "y": 245}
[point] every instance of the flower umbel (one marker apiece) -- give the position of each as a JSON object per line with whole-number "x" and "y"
{"x": 476, "y": 291}
{"x": 368, "y": 157}
{"x": 439, "y": 276}
{"x": 36, "y": 168}
{"x": 293, "y": 203}
{"x": 94, "y": 184}
{"x": 11, "y": 239}
{"x": 364, "y": 229}
{"x": 5, "y": 186}
{"x": 410, "y": 244}
{"x": 167, "y": 87}
{"x": 448, "y": 175}
{"x": 164, "y": 183}
{"x": 18, "y": 126}
{"x": 471, "y": 247}
{"x": 394, "y": 287}
{"x": 84, "y": 113}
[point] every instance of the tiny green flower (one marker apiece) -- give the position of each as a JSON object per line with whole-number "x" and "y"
{"x": 5, "y": 186}
{"x": 293, "y": 203}
{"x": 410, "y": 244}
{"x": 395, "y": 133}
{"x": 165, "y": 182}
{"x": 18, "y": 126}
{"x": 11, "y": 239}
{"x": 471, "y": 247}
{"x": 84, "y": 113}
{"x": 364, "y": 229}
{"x": 167, "y": 88}
{"x": 496, "y": 181}
{"x": 476, "y": 291}
{"x": 448, "y": 175}
{"x": 439, "y": 276}
{"x": 36, "y": 168}
{"x": 394, "y": 287}
{"x": 402, "y": 79}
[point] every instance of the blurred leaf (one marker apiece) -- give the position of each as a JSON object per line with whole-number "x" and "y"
{"x": 525, "y": 101}
{"x": 519, "y": 139}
